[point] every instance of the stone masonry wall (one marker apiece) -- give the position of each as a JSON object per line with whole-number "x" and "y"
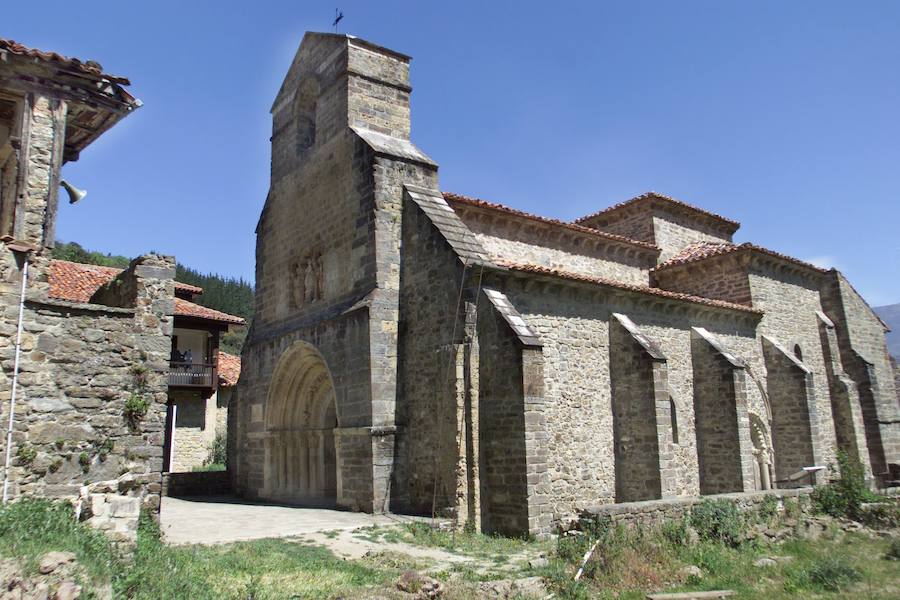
{"x": 654, "y": 513}
{"x": 192, "y": 434}
{"x": 722, "y": 419}
{"x": 636, "y": 224}
{"x": 426, "y": 404}
{"x": 577, "y": 254}
{"x": 79, "y": 365}
{"x": 674, "y": 231}
{"x": 573, "y": 324}
{"x": 849, "y": 426}
{"x": 633, "y": 390}
{"x": 863, "y": 352}
{"x": 502, "y": 425}
{"x": 795, "y": 420}
{"x": 721, "y": 279}
{"x": 791, "y": 300}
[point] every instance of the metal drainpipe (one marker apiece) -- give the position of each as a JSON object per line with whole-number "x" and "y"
{"x": 12, "y": 401}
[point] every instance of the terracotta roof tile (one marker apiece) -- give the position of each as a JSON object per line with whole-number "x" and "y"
{"x": 184, "y": 308}
{"x": 91, "y": 67}
{"x": 698, "y": 251}
{"x": 640, "y": 289}
{"x": 77, "y": 282}
{"x": 458, "y": 199}
{"x": 229, "y": 369}
{"x": 651, "y": 196}
{"x": 704, "y": 250}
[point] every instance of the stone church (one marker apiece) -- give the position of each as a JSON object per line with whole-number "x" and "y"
{"x": 426, "y": 352}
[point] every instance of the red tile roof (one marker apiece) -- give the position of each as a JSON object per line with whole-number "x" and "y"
{"x": 77, "y": 282}
{"x": 703, "y": 250}
{"x": 229, "y": 369}
{"x": 183, "y": 308}
{"x": 477, "y": 202}
{"x": 698, "y": 251}
{"x": 186, "y": 287}
{"x": 732, "y": 225}
{"x": 540, "y": 270}
{"x": 90, "y": 67}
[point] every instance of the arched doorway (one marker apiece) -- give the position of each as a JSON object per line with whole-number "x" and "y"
{"x": 301, "y": 418}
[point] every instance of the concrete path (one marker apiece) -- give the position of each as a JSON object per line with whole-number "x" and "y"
{"x": 223, "y": 520}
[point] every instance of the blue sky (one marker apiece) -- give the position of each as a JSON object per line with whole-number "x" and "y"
{"x": 782, "y": 115}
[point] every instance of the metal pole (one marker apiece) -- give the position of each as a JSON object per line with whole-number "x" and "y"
{"x": 12, "y": 400}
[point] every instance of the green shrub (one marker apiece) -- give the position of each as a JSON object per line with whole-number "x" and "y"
{"x": 833, "y": 573}
{"x": 136, "y": 407}
{"x": 792, "y": 508}
{"x": 675, "y": 532}
{"x": 717, "y": 521}
{"x": 845, "y": 496}
{"x": 26, "y": 454}
{"x": 84, "y": 459}
{"x": 768, "y": 508}
{"x": 218, "y": 453}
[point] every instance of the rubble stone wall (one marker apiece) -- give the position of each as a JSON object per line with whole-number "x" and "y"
{"x": 654, "y": 513}
{"x": 79, "y": 365}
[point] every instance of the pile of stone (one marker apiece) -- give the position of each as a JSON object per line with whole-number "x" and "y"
{"x": 420, "y": 586}
{"x": 55, "y": 580}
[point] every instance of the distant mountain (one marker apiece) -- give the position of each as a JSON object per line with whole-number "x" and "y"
{"x": 890, "y": 314}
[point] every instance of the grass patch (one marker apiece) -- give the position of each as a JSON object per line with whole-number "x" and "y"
{"x": 497, "y": 549}
{"x": 258, "y": 570}
{"x": 261, "y": 570}
{"x": 31, "y": 528}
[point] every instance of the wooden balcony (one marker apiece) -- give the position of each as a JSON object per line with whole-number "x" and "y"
{"x": 192, "y": 375}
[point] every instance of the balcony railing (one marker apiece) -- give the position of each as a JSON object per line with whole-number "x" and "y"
{"x": 191, "y": 374}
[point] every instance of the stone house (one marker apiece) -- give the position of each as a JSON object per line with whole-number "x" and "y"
{"x": 91, "y": 377}
{"x": 200, "y": 376}
{"x": 419, "y": 351}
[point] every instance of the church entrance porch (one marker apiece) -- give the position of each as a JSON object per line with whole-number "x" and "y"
{"x": 301, "y": 454}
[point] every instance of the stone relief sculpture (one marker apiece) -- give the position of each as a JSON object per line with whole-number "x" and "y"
{"x": 307, "y": 280}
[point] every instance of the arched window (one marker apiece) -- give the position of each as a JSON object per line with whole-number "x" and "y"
{"x": 305, "y": 113}
{"x": 673, "y": 416}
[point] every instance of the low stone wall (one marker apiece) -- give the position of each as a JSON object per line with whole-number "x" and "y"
{"x": 656, "y": 512}
{"x": 212, "y": 483}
